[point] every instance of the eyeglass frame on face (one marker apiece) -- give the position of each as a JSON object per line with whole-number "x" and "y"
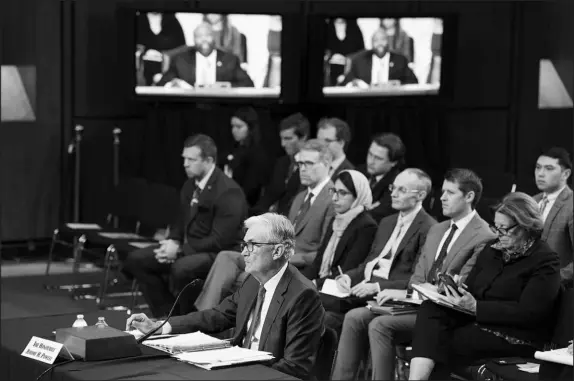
{"x": 306, "y": 164}
{"x": 402, "y": 190}
{"x": 504, "y": 231}
{"x": 245, "y": 245}
{"x": 339, "y": 192}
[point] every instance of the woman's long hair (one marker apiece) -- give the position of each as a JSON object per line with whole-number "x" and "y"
{"x": 250, "y": 117}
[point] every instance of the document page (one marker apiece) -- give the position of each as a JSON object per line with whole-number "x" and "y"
{"x": 330, "y": 288}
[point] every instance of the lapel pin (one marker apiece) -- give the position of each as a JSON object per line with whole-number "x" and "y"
{"x": 219, "y": 64}
{"x": 391, "y": 64}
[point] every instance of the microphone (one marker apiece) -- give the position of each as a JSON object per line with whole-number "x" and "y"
{"x": 76, "y": 139}
{"x": 147, "y": 335}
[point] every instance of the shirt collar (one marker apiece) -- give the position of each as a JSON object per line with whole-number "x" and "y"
{"x": 337, "y": 163}
{"x": 319, "y": 187}
{"x": 272, "y": 283}
{"x": 211, "y": 58}
{"x": 554, "y": 195}
{"x": 408, "y": 218}
{"x": 203, "y": 182}
{"x": 461, "y": 224}
{"x": 383, "y": 60}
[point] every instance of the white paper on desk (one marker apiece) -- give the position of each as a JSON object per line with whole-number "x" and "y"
{"x": 142, "y": 245}
{"x": 217, "y": 358}
{"x": 114, "y": 235}
{"x": 330, "y": 288}
{"x": 138, "y": 334}
{"x": 529, "y": 367}
{"x": 74, "y": 225}
{"x": 196, "y": 341}
{"x": 559, "y": 356}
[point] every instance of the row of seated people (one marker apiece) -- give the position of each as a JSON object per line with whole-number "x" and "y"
{"x": 511, "y": 274}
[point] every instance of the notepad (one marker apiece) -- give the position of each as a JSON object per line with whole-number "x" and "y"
{"x": 330, "y": 288}
{"x": 437, "y": 298}
{"x": 217, "y": 358}
{"x": 391, "y": 309}
{"x": 189, "y": 342}
{"x": 142, "y": 245}
{"x": 113, "y": 235}
{"x": 80, "y": 226}
{"x": 559, "y": 356}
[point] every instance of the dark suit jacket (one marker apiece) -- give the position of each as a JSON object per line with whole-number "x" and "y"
{"x": 517, "y": 298}
{"x": 406, "y": 255}
{"x": 345, "y": 165}
{"x": 559, "y": 230}
{"x": 250, "y": 166}
{"x": 215, "y": 222}
{"x": 292, "y": 328}
{"x": 382, "y": 194}
{"x": 182, "y": 66}
{"x": 280, "y": 189}
{"x": 352, "y": 248}
{"x": 361, "y": 68}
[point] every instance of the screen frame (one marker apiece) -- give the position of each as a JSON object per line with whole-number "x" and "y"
{"x": 291, "y": 48}
{"x": 317, "y": 42}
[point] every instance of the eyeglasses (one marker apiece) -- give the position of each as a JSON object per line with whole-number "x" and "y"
{"x": 339, "y": 192}
{"x": 402, "y": 190}
{"x": 501, "y": 229}
{"x": 305, "y": 164}
{"x": 251, "y": 245}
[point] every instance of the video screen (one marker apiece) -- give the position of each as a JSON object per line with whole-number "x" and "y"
{"x": 208, "y": 55}
{"x": 382, "y": 56}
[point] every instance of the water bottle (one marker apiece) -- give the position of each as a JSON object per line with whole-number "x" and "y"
{"x": 80, "y": 322}
{"x": 101, "y": 322}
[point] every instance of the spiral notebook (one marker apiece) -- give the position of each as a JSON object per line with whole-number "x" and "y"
{"x": 189, "y": 342}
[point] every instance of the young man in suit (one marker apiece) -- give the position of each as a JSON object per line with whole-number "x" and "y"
{"x": 275, "y": 310}
{"x": 204, "y": 65}
{"x": 450, "y": 246}
{"x": 553, "y": 168}
{"x": 284, "y": 183}
{"x": 310, "y": 213}
{"x": 378, "y": 65}
{"x": 336, "y": 134}
{"x": 395, "y": 249}
{"x": 213, "y": 208}
{"x": 385, "y": 160}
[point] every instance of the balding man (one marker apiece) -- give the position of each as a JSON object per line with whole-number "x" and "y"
{"x": 378, "y": 65}
{"x": 275, "y": 310}
{"x": 203, "y": 65}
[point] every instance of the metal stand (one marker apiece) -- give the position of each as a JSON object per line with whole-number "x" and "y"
{"x": 116, "y": 169}
{"x": 77, "y": 171}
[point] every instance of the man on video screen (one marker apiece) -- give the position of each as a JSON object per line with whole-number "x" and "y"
{"x": 203, "y": 65}
{"x": 378, "y": 66}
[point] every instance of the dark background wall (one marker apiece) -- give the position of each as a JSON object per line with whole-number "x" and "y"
{"x": 491, "y": 123}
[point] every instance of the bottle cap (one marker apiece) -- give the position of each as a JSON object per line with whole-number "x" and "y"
{"x": 80, "y": 316}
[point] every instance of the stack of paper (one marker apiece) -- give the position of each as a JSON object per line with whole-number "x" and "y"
{"x": 330, "y": 288}
{"x": 437, "y": 298}
{"x": 113, "y": 235}
{"x": 82, "y": 226}
{"x": 391, "y": 308}
{"x": 218, "y": 358}
{"x": 529, "y": 367}
{"x": 190, "y": 342}
{"x": 142, "y": 245}
{"x": 559, "y": 356}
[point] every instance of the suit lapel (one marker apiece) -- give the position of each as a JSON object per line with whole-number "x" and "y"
{"x": 470, "y": 231}
{"x": 393, "y": 69}
{"x": 275, "y": 305}
{"x": 297, "y": 203}
{"x": 558, "y": 204}
{"x": 434, "y": 247}
{"x": 413, "y": 229}
{"x": 319, "y": 204}
{"x": 369, "y": 67}
{"x": 193, "y": 66}
{"x": 243, "y": 318}
{"x": 386, "y": 233}
{"x": 218, "y": 66}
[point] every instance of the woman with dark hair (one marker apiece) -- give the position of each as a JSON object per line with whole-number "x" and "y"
{"x": 343, "y": 39}
{"x": 227, "y": 37}
{"x": 156, "y": 33}
{"x": 510, "y": 294}
{"x": 399, "y": 41}
{"x": 247, "y": 163}
{"x": 348, "y": 240}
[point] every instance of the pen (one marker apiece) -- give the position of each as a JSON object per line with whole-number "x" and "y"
{"x": 340, "y": 271}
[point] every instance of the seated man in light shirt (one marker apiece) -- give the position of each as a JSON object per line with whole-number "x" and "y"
{"x": 276, "y": 310}
{"x": 204, "y": 65}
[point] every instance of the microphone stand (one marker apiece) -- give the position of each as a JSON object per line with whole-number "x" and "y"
{"x": 116, "y": 166}
{"x": 154, "y": 330}
{"x": 77, "y": 145}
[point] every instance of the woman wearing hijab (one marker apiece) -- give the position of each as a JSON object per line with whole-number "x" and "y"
{"x": 347, "y": 242}
{"x": 510, "y": 294}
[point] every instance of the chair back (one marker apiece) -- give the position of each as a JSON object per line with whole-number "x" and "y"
{"x": 125, "y": 202}
{"x": 563, "y": 332}
{"x": 323, "y": 366}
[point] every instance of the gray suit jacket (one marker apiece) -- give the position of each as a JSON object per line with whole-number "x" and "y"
{"x": 310, "y": 231}
{"x": 462, "y": 255}
{"x": 559, "y": 230}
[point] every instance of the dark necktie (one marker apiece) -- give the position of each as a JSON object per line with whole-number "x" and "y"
{"x": 372, "y": 182}
{"x": 255, "y": 318}
{"x": 437, "y": 265}
{"x": 304, "y": 209}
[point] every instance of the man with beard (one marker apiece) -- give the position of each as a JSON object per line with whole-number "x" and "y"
{"x": 204, "y": 65}
{"x": 378, "y": 65}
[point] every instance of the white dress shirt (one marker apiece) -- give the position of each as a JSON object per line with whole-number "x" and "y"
{"x": 380, "y": 69}
{"x": 394, "y": 242}
{"x": 270, "y": 287}
{"x": 460, "y": 224}
{"x": 205, "y": 68}
{"x": 336, "y": 164}
{"x": 154, "y": 22}
{"x": 318, "y": 188}
{"x": 551, "y": 200}
{"x": 203, "y": 182}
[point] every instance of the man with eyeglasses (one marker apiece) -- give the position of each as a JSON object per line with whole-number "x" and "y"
{"x": 336, "y": 134}
{"x": 275, "y": 310}
{"x": 394, "y": 250}
{"x": 310, "y": 213}
{"x": 450, "y": 247}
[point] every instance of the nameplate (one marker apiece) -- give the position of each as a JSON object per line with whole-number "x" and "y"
{"x": 42, "y": 350}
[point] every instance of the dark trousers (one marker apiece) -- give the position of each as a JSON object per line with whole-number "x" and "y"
{"x": 154, "y": 278}
{"x": 451, "y": 339}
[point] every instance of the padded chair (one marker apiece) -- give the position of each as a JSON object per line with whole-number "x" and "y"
{"x": 326, "y": 355}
